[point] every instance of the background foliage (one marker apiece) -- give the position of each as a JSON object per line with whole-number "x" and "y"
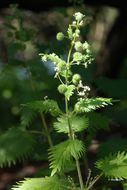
{"x": 23, "y": 78}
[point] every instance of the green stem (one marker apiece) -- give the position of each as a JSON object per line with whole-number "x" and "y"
{"x": 41, "y": 114}
{"x": 94, "y": 181}
{"x": 71, "y": 48}
{"x": 69, "y": 54}
{"x": 72, "y": 137}
{"x": 46, "y": 130}
{"x": 79, "y": 174}
{"x": 67, "y": 113}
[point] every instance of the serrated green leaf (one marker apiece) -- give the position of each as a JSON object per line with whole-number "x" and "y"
{"x": 15, "y": 145}
{"x": 90, "y": 104}
{"x": 78, "y": 124}
{"x": 46, "y": 106}
{"x": 70, "y": 91}
{"x": 47, "y": 183}
{"x": 27, "y": 116}
{"x": 114, "y": 166}
{"x": 64, "y": 152}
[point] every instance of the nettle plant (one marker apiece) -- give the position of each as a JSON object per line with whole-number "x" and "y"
{"x": 66, "y": 156}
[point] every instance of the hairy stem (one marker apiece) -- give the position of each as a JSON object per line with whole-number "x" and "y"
{"x": 72, "y": 137}
{"x": 46, "y": 130}
{"x": 41, "y": 114}
{"x": 79, "y": 174}
{"x": 94, "y": 181}
{"x": 69, "y": 54}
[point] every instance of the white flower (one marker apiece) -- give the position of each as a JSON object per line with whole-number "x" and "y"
{"x": 86, "y": 65}
{"x": 44, "y": 58}
{"x": 78, "y": 46}
{"x": 81, "y": 23}
{"x": 83, "y": 90}
{"x": 74, "y": 23}
{"x": 78, "y": 16}
{"x": 86, "y": 88}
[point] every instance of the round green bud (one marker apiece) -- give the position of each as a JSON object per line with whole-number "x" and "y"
{"x": 62, "y": 88}
{"x": 86, "y": 46}
{"x": 76, "y": 78}
{"x": 60, "y": 36}
{"x": 77, "y": 56}
{"x": 77, "y": 31}
{"x": 74, "y": 23}
{"x": 61, "y": 65}
{"x": 78, "y": 46}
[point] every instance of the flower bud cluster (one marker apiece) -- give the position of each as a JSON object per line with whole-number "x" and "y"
{"x": 79, "y": 18}
{"x": 81, "y": 56}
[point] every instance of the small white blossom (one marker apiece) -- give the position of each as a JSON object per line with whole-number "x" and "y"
{"x": 83, "y": 90}
{"x": 78, "y": 46}
{"x": 74, "y": 23}
{"x": 78, "y": 16}
{"x": 80, "y": 84}
{"x": 86, "y": 65}
{"x": 81, "y": 23}
{"x": 86, "y": 88}
{"x": 44, "y": 58}
{"x": 86, "y": 46}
